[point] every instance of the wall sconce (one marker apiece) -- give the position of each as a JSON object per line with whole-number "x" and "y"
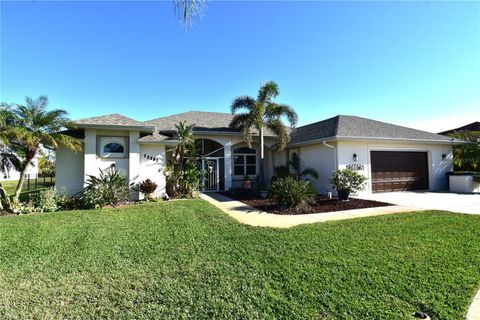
{"x": 444, "y": 156}
{"x": 355, "y": 157}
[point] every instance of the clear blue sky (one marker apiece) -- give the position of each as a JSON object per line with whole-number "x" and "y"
{"x": 401, "y": 62}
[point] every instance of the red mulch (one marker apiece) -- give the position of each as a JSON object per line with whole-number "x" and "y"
{"x": 323, "y": 204}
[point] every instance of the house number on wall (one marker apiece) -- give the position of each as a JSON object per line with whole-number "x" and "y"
{"x": 356, "y": 166}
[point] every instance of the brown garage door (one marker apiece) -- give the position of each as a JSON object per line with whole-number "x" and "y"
{"x": 399, "y": 171}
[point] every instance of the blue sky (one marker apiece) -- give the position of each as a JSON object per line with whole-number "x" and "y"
{"x": 411, "y": 63}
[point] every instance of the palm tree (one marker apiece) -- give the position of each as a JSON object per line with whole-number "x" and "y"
{"x": 262, "y": 114}
{"x": 37, "y": 127}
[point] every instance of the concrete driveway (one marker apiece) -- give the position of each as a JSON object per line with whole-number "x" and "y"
{"x": 456, "y": 202}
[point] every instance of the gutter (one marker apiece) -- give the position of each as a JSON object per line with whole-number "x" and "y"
{"x": 334, "y": 154}
{"x": 350, "y": 138}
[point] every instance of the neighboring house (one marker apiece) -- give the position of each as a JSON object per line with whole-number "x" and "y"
{"x": 471, "y": 132}
{"x": 390, "y": 156}
{"x": 13, "y": 174}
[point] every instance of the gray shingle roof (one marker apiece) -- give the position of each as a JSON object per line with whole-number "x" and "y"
{"x": 343, "y": 126}
{"x": 207, "y": 121}
{"x": 114, "y": 119}
{"x": 154, "y": 138}
{"x": 204, "y": 121}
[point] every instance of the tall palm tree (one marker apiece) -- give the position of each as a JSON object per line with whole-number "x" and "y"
{"x": 38, "y": 127}
{"x": 262, "y": 113}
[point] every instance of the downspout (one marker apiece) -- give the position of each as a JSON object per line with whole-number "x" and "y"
{"x": 334, "y": 154}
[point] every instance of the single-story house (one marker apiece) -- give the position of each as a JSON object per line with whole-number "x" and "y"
{"x": 390, "y": 156}
{"x": 12, "y": 174}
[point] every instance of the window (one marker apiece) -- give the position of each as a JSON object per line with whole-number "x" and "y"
{"x": 244, "y": 161}
{"x": 113, "y": 148}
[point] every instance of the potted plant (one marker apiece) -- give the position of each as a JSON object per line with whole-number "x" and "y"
{"x": 347, "y": 181}
{"x": 246, "y": 184}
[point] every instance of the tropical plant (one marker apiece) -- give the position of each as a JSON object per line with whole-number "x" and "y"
{"x": 147, "y": 187}
{"x": 294, "y": 165}
{"x": 35, "y": 126}
{"x": 348, "y": 180}
{"x": 108, "y": 188}
{"x": 290, "y": 192}
{"x": 466, "y": 157}
{"x": 175, "y": 170}
{"x": 262, "y": 113}
{"x": 45, "y": 200}
{"x": 46, "y": 166}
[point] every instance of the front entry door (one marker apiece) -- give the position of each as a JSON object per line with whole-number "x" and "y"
{"x": 211, "y": 179}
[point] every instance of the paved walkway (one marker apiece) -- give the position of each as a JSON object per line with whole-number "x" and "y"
{"x": 456, "y": 202}
{"x": 474, "y": 310}
{"x": 251, "y": 216}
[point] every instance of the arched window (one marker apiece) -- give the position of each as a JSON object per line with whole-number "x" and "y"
{"x": 244, "y": 161}
{"x": 113, "y": 147}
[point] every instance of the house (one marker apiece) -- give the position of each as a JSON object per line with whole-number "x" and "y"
{"x": 390, "y": 156}
{"x": 470, "y": 132}
{"x": 12, "y": 174}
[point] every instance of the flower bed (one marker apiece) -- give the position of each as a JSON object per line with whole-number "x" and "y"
{"x": 323, "y": 204}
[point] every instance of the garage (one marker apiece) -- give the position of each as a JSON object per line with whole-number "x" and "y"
{"x": 399, "y": 171}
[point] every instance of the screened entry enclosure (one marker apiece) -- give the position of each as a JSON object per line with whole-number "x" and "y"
{"x": 210, "y": 157}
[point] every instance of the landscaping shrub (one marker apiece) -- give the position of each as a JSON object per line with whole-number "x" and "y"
{"x": 147, "y": 187}
{"x": 348, "y": 181}
{"x": 109, "y": 188}
{"x": 291, "y": 192}
{"x": 45, "y": 200}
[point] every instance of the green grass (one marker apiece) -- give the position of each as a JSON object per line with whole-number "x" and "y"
{"x": 186, "y": 259}
{"x": 11, "y": 185}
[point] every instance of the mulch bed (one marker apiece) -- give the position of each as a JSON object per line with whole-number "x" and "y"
{"x": 323, "y": 204}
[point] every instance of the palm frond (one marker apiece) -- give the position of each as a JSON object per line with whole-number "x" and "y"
{"x": 242, "y": 102}
{"x": 268, "y": 91}
{"x": 281, "y": 134}
{"x": 188, "y": 11}
{"x": 278, "y": 110}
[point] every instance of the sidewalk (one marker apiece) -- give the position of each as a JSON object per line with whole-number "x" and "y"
{"x": 251, "y": 216}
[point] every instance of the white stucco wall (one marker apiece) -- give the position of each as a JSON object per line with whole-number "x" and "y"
{"x": 437, "y": 167}
{"x": 320, "y": 158}
{"x": 69, "y": 171}
{"x": 152, "y": 167}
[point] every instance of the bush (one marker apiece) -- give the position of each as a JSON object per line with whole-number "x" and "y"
{"x": 45, "y": 200}
{"x": 291, "y": 192}
{"x": 348, "y": 180}
{"x": 109, "y": 188}
{"x": 147, "y": 187}
{"x": 184, "y": 183}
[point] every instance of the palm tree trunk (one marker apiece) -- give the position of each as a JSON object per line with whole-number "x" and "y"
{"x": 261, "y": 174}
{"x": 18, "y": 190}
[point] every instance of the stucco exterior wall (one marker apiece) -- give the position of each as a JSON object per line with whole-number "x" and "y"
{"x": 69, "y": 171}
{"x": 152, "y": 163}
{"x": 322, "y": 159}
{"x": 437, "y": 166}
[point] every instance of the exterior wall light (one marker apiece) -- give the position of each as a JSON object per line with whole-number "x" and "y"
{"x": 444, "y": 156}
{"x": 355, "y": 157}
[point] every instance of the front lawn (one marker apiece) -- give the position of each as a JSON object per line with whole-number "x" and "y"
{"x": 187, "y": 259}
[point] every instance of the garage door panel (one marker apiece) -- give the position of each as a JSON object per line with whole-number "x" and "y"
{"x": 399, "y": 171}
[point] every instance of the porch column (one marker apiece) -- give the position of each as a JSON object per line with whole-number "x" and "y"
{"x": 90, "y": 166}
{"x": 228, "y": 165}
{"x": 133, "y": 161}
